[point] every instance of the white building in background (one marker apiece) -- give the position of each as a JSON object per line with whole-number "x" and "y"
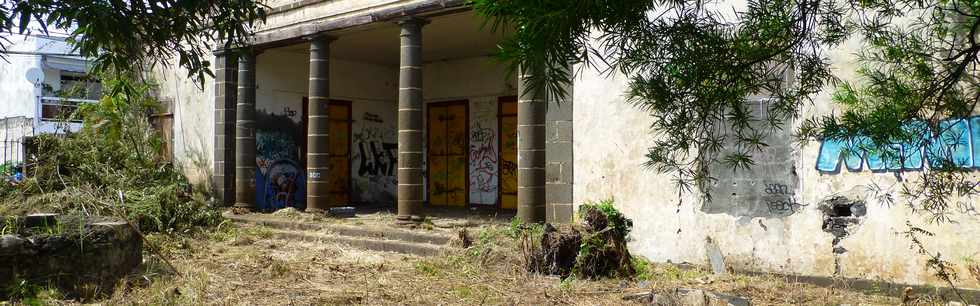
{"x": 42, "y": 80}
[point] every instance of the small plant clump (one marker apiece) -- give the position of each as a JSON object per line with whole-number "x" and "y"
{"x": 603, "y": 251}
{"x": 113, "y": 166}
{"x": 594, "y": 249}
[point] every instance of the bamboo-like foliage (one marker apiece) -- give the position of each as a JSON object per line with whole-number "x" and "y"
{"x": 699, "y": 68}
{"x": 134, "y": 34}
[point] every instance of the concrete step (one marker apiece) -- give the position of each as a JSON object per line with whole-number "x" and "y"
{"x": 382, "y": 245}
{"x": 377, "y": 238}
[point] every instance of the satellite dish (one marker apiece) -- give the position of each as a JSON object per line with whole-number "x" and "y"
{"x": 35, "y": 75}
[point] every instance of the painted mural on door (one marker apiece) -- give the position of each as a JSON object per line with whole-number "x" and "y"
{"x": 447, "y": 153}
{"x": 483, "y": 152}
{"x": 340, "y": 145}
{"x": 279, "y": 181}
{"x": 508, "y": 153}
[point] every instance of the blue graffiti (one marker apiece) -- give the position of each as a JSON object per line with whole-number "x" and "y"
{"x": 959, "y": 142}
{"x": 283, "y": 185}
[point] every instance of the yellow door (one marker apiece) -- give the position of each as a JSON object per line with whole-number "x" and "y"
{"x": 340, "y": 113}
{"x": 508, "y": 152}
{"x": 447, "y": 150}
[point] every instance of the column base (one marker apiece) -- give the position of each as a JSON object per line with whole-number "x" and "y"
{"x": 315, "y": 210}
{"x": 240, "y": 209}
{"x": 409, "y": 220}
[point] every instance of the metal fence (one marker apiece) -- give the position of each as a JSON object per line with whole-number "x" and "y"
{"x": 15, "y": 137}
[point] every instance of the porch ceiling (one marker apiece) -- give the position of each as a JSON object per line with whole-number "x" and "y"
{"x": 447, "y": 37}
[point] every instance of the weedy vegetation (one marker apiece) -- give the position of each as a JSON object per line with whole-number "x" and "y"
{"x": 113, "y": 166}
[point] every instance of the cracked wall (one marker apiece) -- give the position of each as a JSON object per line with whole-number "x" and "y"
{"x": 806, "y": 235}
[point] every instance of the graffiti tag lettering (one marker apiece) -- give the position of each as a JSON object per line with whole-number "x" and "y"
{"x": 784, "y": 206}
{"x": 483, "y": 156}
{"x": 371, "y": 117}
{"x": 777, "y": 189}
{"x": 959, "y": 142}
{"x": 375, "y": 160}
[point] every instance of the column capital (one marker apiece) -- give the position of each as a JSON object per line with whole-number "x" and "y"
{"x": 249, "y": 51}
{"x": 319, "y": 36}
{"x": 226, "y": 47}
{"x": 221, "y": 51}
{"x": 412, "y": 20}
{"x": 237, "y": 51}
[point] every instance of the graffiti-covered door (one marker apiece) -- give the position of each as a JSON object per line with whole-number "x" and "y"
{"x": 339, "y": 112}
{"x": 447, "y": 150}
{"x": 340, "y": 130}
{"x": 508, "y": 152}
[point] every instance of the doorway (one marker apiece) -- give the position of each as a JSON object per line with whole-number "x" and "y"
{"x": 339, "y": 129}
{"x": 507, "y": 116}
{"x": 447, "y": 148}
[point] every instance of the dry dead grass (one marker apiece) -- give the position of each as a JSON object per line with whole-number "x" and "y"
{"x": 245, "y": 266}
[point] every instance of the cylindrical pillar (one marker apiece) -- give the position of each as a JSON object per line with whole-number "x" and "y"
{"x": 410, "y": 188}
{"x": 317, "y": 136}
{"x": 532, "y": 106}
{"x": 245, "y": 132}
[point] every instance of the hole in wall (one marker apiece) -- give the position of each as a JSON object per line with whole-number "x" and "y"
{"x": 842, "y": 214}
{"x": 842, "y": 211}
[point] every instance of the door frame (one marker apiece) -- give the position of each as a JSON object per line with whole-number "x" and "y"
{"x": 500, "y": 148}
{"x": 428, "y": 162}
{"x": 350, "y": 131}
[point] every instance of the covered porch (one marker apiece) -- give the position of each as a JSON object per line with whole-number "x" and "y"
{"x": 411, "y": 114}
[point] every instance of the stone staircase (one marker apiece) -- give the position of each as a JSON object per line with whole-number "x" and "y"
{"x": 372, "y": 237}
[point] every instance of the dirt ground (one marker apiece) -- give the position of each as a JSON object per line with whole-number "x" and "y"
{"x": 244, "y": 265}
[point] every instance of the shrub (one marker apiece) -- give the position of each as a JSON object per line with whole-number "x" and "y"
{"x": 113, "y": 166}
{"x": 603, "y": 251}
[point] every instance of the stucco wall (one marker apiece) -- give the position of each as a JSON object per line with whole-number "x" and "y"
{"x": 611, "y": 138}
{"x": 193, "y": 126}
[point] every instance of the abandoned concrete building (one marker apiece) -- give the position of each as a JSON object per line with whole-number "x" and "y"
{"x": 400, "y": 103}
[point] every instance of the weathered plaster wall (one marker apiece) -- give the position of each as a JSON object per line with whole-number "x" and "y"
{"x": 374, "y": 152}
{"x": 611, "y": 138}
{"x": 193, "y": 125}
